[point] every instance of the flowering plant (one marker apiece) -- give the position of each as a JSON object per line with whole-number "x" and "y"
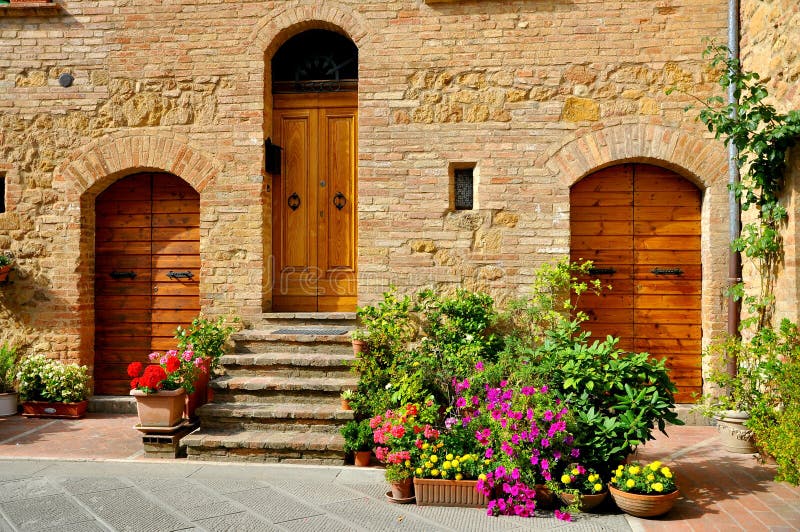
{"x": 401, "y": 435}
{"x": 647, "y": 479}
{"x": 168, "y": 372}
{"x": 436, "y": 462}
{"x": 581, "y": 480}
{"x": 44, "y": 379}
{"x": 524, "y": 434}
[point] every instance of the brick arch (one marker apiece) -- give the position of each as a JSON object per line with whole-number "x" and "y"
{"x": 107, "y": 159}
{"x": 702, "y": 161}
{"x": 301, "y": 15}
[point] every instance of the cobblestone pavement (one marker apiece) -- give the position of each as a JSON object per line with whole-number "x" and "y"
{"x": 91, "y": 475}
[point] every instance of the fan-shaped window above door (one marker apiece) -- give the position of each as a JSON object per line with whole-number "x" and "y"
{"x": 315, "y": 61}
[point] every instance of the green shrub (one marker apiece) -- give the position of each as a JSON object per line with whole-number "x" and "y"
{"x": 357, "y": 436}
{"x": 44, "y": 379}
{"x": 207, "y": 338}
{"x": 8, "y": 368}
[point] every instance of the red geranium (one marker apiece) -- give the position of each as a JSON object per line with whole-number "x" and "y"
{"x": 173, "y": 363}
{"x": 134, "y": 370}
{"x": 152, "y": 377}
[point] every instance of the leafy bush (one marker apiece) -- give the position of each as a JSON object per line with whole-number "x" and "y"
{"x": 44, "y": 379}
{"x": 8, "y": 368}
{"x": 357, "y": 436}
{"x": 207, "y": 338}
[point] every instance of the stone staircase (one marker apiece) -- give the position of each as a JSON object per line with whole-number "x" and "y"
{"x": 278, "y": 397}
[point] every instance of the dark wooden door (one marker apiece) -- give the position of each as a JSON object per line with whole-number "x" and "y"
{"x": 147, "y": 270}
{"x": 314, "y": 203}
{"x": 643, "y": 223}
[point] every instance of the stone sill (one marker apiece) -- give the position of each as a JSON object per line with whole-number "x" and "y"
{"x": 30, "y": 5}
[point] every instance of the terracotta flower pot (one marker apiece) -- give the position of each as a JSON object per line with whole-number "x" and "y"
{"x": 545, "y": 498}
{"x": 438, "y": 492}
{"x": 362, "y": 458}
{"x": 160, "y": 409}
{"x": 359, "y": 346}
{"x": 402, "y": 489}
{"x": 4, "y": 271}
{"x": 54, "y": 410}
{"x": 643, "y": 505}
{"x": 199, "y": 396}
{"x": 346, "y": 404}
{"x": 588, "y": 502}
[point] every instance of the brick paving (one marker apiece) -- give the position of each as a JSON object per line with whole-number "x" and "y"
{"x": 720, "y": 490}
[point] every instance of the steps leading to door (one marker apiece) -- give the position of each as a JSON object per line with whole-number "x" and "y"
{"x": 278, "y": 396}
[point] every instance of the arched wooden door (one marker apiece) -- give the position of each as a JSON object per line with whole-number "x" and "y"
{"x": 640, "y": 225}
{"x": 147, "y": 271}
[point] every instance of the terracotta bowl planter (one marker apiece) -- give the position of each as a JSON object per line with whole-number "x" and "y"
{"x": 643, "y": 505}
{"x": 588, "y": 501}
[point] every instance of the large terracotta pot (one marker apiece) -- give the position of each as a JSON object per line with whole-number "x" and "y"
{"x": 438, "y": 492}
{"x": 643, "y": 505}
{"x": 200, "y": 395}
{"x": 8, "y": 404}
{"x": 161, "y": 409}
{"x": 55, "y": 410}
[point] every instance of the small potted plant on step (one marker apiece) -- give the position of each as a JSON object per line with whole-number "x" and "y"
{"x": 358, "y": 440}
{"x": 6, "y": 263}
{"x": 50, "y": 388}
{"x": 8, "y": 374}
{"x": 346, "y": 397}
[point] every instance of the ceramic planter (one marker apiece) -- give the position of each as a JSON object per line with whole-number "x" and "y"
{"x": 161, "y": 409}
{"x": 362, "y": 458}
{"x": 734, "y": 436}
{"x": 588, "y": 501}
{"x": 8, "y": 404}
{"x": 639, "y": 505}
{"x": 54, "y": 410}
{"x": 438, "y": 492}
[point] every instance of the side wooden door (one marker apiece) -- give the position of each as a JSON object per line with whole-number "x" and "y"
{"x": 147, "y": 226}
{"x": 640, "y": 224}
{"x": 314, "y": 203}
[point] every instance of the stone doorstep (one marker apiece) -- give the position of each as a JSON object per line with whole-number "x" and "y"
{"x": 262, "y": 335}
{"x": 316, "y": 360}
{"x": 267, "y": 383}
{"x": 246, "y": 412}
{"x": 112, "y": 404}
{"x": 269, "y": 319}
{"x": 266, "y": 440}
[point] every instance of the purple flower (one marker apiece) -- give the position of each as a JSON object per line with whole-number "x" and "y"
{"x": 475, "y": 400}
{"x": 515, "y": 439}
{"x": 545, "y": 464}
{"x": 507, "y": 449}
{"x": 556, "y": 455}
{"x": 545, "y": 443}
{"x": 548, "y": 416}
{"x": 489, "y": 453}
{"x": 479, "y": 365}
{"x": 515, "y": 473}
{"x": 461, "y": 402}
{"x": 563, "y": 516}
{"x": 449, "y": 422}
{"x": 544, "y": 389}
{"x": 575, "y": 453}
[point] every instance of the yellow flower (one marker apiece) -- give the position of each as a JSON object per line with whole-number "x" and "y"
{"x": 439, "y": 445}
{"x": 444, "y": 474}
{"x": 565, "y": 479}
{"x": 455, "y": 463}
{"x": 618, "y": 473}
{"x": 449, "y": 456}
{"x": 630, "y": 483}
{"x": 435, "y": 472}
{"x": 418, "y": 472}
{"x": 482, "y": 477}
{"x": 434, "y": 458}
{"x": 428, "y": 465}
{"x": 613, "y": 480}
{"x": 633, "y": 470}
{"x": 487, "y": 461}
{"x": 658, "y": 486}
{"x": 655, "y": 465}
{"x": 446, "y": 465}
{"x": 620, "y": 467}
{"x": 415, "y": 364}
{"x": 576, "y": 472}
{"x": 592, "y": 478}
{"x": 459, "y": 476}
{"x": 598, "y": 487}
{"x": 666, "y": 472}
{"x": 425, "y": 446}
{"x": 650, "y": 477}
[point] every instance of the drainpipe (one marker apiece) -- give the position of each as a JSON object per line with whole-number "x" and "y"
{"x": 734, "y": 258}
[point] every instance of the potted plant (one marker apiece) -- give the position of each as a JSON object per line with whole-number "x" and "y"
{"x": 159, "y": 388}
{"x": 400, "y": 435}
{"x": 207, "y": 339}
{"x": 443, "y": 478}
{"x": 581, "y": 488}
{"x": 8, "y": 374}
{"x": 50, "y": 388}
{"x": 644, "y": 490}
{"x": 358, "y": 440}
{"x": 6, "y": 263}
{"x": 359, "y": 339}
{"x": 347, "y": 396}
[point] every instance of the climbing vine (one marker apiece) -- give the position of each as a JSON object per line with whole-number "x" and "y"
{"x": 762, "y": 136}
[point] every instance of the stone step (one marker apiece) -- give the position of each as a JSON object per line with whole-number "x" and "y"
{"x": 252, "y": 341}
{"x": 320, "y": 417}
{"x": 305, "y": 447}
{"x": 270, "y": 389}
{"x": 288, "y": 364}
{"x": 318, "y": 319}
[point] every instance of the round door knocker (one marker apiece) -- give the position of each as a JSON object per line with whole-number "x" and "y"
{"x": 339, "y": 201}
{"x": 294, "y": 201}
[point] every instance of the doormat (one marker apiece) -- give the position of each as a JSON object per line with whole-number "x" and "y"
{"x": 328, "y": 331}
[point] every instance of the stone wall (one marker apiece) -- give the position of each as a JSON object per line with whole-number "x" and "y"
{"x": 534, "y": 94}
{"x": 770, "y": 45}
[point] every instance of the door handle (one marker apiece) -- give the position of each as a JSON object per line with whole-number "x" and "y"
{"x": 602, "y": 271}
{"x": 180, "y": 275}
{"x": 339, "y": 201}
{"x": 294, "y": 201}
{"x": 122, "y": 275}
{"x": 667, "y": 271}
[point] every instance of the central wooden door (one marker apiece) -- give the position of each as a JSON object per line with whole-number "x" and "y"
{"x": 314, "y": 202}
{"x": 640, "y": 225}
{"x": 147, "y": 271}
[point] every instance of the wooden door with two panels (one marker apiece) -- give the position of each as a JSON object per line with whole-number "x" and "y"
{"x": 314, "y": 202}
{"x": 147, "y": 271}
{"x": 640, "y": 225}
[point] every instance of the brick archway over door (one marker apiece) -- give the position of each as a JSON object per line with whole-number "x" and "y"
{"x": 147, "y": 271}
{"x": 640, "y": 225}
